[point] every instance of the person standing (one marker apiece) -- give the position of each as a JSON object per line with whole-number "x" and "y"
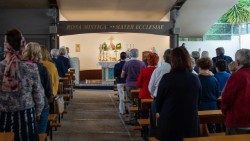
{"x": 235, "y": 103}
{"x": 145, "y": 75}
{"x": 220, "y": 55}
{"x": 66, "y": 62}
{"x": 131, "y": 70}
{"x": 120, "y": 81}
{"x": 222, "y": 75}
{"x": 59, "y": 64}
{"x": 177, "y": 99}
{"x": 21, "y": 92}
{"x": 164, "y": 68}
{"x": 32, "y": 54}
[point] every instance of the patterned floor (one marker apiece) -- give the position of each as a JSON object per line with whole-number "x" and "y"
{"x": 93, "y": 116}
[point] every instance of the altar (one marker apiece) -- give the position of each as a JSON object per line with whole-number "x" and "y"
{"x": 107, "y": 70}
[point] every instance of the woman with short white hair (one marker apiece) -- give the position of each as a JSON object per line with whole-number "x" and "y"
{"x": 54, "y": 53}
{"x": 235, "y": 103}
{"x": 66, "y": 63}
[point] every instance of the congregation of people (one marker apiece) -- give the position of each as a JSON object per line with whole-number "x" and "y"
{"x": 29, "y": 80}
{"x": 183, "y": 84}
{"x": 180, "y": 86}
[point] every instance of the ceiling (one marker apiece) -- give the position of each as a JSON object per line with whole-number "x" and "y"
{"x": 194, "y": 19}
{"x": 197, "y": 16}
{"x": 16, "y": 4}
{"x": 114, "y": 10}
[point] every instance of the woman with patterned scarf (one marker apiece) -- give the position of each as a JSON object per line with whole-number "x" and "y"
{"x": 21, "y": 92}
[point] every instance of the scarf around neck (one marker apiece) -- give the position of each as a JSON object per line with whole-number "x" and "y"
{"x": 12, "y": 77}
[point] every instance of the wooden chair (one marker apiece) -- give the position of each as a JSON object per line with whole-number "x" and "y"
{"x": 7, "y": 136}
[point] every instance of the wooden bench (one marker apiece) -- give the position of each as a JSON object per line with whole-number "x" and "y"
{"x": 144, "y": 122}
{"x": 245, "y": 137}
{"x": 7, "y": 136}
{"x": 152, "y": 139}
{"x": 211, "y": 116}
{"x": 146, "y": 104}
{"x": 52, "y": 124}
{"x": 133, "y": 109}
{"x": 52, "y": 117}
{"x": 43, "y": 137}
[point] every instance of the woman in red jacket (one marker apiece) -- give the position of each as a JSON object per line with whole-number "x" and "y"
{"x": 235, "y": 102}
{"x": 145, "y": 75}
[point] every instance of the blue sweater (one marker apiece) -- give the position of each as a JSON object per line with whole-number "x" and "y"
{"x": 210, "y": 93}
{"x": 222, "y": 78}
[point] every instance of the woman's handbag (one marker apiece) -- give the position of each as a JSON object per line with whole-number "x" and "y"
{"x": 59, "y": 104}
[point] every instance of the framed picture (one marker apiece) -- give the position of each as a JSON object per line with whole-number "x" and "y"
{"x": 77, "y": 46}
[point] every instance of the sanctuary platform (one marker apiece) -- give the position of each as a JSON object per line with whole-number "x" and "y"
{"x": 96, "y": 84}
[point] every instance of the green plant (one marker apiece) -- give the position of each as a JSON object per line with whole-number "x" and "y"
{"x": 238, "y": 14}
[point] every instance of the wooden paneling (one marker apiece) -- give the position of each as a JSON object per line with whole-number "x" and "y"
{"x": 90, "y": 75}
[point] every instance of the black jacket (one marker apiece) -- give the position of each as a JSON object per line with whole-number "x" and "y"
{"x": 177, "y": 103}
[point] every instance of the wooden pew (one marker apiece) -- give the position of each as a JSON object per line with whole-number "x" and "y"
{"x": 135, "y": 95}
{"x": 152, "y": 139}
{"x": 144, "y": 122}
{"x": 146, "y": 103}
{"x": 211, "y": 116}
{"x": 6, "y": 136}
{"x": 43, "y": 137}
{"x": 53, "y": 124}
{"x": 245, "y": 137}
{"x": 133, "y": 109}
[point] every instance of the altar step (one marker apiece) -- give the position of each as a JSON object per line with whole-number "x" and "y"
{"x": 96, "y": 84}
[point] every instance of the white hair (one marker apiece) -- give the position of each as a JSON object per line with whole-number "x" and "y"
{"x": 243, "y": 56}
{"x": 62, "y": 51}
{"x": 54, "y": 52}
{"x": 134, "y": 53}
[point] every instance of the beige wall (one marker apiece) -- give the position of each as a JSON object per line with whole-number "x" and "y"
{"x": 89, "y": 44}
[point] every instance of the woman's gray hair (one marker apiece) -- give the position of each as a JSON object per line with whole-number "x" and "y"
{"x": 54, "y": 53}
{"x": 134, "y": 53}
{"x": 243, "y": 56}
{"x": 62, "y": 51}
{"x": 204, "y": 54}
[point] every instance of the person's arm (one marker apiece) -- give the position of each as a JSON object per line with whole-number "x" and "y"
{"x": 37, "y": 92}
{"x": 151, "y": 84}
{"x": 161, "y": 93}
{"x": 116, "y": 73}
{"x": 48, "y": 85}
{"x": 56, "y": 81}
{"x": 229, "y": 93}
{"x": 124, "y": 70}
{"x": 139, "y": 80}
